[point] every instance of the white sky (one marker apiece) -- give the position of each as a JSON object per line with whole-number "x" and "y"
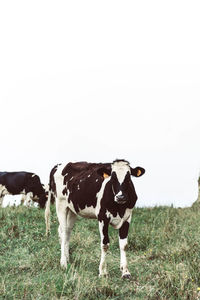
{"x": 100, "y": 80}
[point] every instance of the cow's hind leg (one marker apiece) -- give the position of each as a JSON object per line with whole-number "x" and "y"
{"x": 123, "y": 233}
{"x": 62, "y": 219}
{"x": 71, "y": 218}
{"x": 66, "y": 221}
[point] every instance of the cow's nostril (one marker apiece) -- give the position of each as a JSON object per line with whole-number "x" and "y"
{"x": 120, "y": 199}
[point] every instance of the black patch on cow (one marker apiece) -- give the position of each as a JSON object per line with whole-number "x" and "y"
{"x": 76, "y": 167}
{"x": 64, "y": 191}
{"x": 123, "y": 231}
{"x": 83, "y": 183}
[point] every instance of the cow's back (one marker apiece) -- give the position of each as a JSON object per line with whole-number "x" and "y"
{"x": 78, "y": 183}
{"x": 13, "y": 181}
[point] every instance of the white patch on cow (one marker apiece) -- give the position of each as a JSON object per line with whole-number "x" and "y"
{"x": 33, "y": 175}
{"x": 108, "y": 214}
{"x": 88, "y": 212}
{"x": 123, "y": 243}
{"x": 59, "y": 179}
{"x": 119, "y": 194}
{"x": 120, "y": 168}
{"x": 10, "y": 200}
{"x": 117, "y": 221}
{"x": 46, "y": 187}
{"x": 100, "y": 195}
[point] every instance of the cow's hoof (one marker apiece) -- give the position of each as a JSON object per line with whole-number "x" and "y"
{"x": 63, "y": 264}
{"x": 126, "y": 276}
{"x": 103, "y": 275}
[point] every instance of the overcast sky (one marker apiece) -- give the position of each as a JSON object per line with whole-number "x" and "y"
{"x": 100, "y": 80}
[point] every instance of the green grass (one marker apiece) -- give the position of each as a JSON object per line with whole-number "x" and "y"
{"x": 163, "y": 256}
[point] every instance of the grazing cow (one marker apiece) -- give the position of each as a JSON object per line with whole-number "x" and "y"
{"x": 25, "y": 183}
{"x": 99, "y": 191}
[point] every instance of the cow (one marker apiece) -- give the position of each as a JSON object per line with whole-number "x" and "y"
{"x": 25, "y": 183}
{"x": 102, "y": 191}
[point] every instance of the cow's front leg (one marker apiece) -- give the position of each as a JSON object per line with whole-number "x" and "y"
{"x": 123, "y": 233}
{"x": 28, "y": 199}
{"x": 103, "y": 229}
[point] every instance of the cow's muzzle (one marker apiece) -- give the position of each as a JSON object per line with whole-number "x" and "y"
{"x": 120, "y": 199}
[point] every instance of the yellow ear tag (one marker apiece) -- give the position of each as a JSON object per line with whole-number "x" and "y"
{"x": 105, "y": 175}
{"x": 139, "y": 172}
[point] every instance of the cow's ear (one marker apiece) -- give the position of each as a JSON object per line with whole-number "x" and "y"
{"x": 137, "y": 172}
{"x": 104, "y": 172}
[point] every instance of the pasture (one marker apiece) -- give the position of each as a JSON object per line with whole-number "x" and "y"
{"x": 163, "y": 256}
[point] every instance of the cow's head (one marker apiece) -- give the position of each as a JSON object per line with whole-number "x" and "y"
{"x": 40, "y": 191}
{"x": 120, "y": 178}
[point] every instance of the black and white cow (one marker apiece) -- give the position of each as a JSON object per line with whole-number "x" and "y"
{"x": 25, "y": 183}
{"x": 100, "y": 191}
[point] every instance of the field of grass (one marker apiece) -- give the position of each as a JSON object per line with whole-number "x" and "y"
{"x": 163, "y": 256}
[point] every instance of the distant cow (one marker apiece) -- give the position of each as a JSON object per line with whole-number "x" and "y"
{"x": 98, "y": 191}
{"x": 25, "y": 183}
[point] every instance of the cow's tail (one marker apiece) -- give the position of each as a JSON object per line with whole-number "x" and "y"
{"x": 48, "y": 213}
{"x": 51, "y": 198}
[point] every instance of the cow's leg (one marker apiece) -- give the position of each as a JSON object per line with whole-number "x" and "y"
{"x": 23, "y": 199}
{"x": 1, "y": 200}
{"x": 66, "y": 221}
{"x": 28, "y": 199}
{"x": 3, "y": 192}
{"x": 62, "y": 219}
{"x": 48, "y": 214}
{"x": 123, "y": 233}
{"x": 71, "y": 218}
{"x": 103, "y": 229}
